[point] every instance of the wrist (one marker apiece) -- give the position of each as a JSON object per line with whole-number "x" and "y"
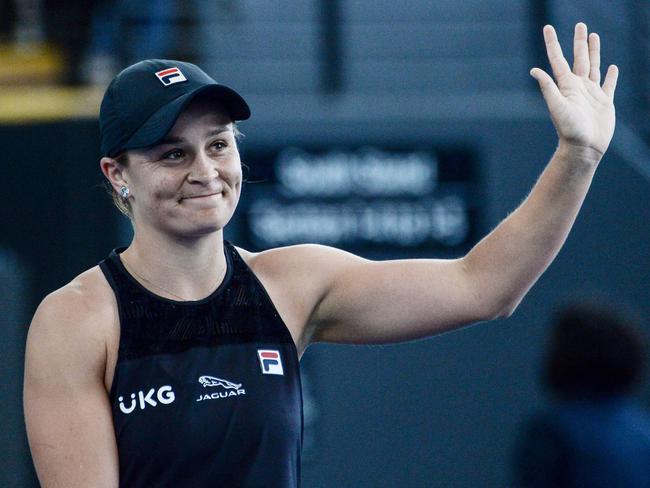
{"x": 576, "y": 153}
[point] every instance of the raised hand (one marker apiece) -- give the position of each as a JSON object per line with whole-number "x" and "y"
{"x": 581, "y": 109}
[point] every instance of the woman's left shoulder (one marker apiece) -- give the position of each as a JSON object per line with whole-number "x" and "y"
{"x": 305, "y": 258}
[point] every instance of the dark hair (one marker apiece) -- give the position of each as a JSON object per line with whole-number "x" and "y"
{"x": 595, "y": 352}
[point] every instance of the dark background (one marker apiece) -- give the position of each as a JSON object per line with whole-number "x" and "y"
{"x": 447, "y": 76}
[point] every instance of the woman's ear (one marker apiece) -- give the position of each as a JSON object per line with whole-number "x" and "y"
{"x": 245, "y": 170}
{"x": 114, "y": 173}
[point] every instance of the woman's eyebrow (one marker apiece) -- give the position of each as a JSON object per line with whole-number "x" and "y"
{"x": 180, "y": 140}
{"x": 218, "y": 130}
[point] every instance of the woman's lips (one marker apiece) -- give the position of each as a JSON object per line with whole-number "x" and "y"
{"x": 206, "y": 195}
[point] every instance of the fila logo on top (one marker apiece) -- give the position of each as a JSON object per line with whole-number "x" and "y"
{"x": 170, "y": 76}
{"x": 270, "y": 361}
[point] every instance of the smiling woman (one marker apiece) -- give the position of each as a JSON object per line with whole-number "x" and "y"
{"x": 123, "y": 204}
{"x": 115, "y": 359}
{"x": 174, "y": 183}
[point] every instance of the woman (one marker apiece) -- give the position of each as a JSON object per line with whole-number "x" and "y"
{"x": 175, "y": 362}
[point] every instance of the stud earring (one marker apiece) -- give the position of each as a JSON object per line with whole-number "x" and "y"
{"x": 124, "y": 192}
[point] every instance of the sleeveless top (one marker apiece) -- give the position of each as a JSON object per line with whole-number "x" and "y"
{"x": 205, "y": 393}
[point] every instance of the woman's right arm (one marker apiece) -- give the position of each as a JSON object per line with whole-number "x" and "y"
{"x": 67, "y": 410}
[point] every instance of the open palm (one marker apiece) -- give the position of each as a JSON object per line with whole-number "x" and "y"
{"x": 581, "y": 109}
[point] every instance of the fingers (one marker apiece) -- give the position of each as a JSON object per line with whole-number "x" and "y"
{"x": 586, "y": 63}
{"x": 594, "y": 57}
{"x": 580, "y": 50}
{"x": 554, "y": 51}
{"x": 609, "y": 85}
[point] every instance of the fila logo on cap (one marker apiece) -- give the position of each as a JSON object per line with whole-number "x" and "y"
{"x": 270, "y": 361}
{"x": 170, "y": 76}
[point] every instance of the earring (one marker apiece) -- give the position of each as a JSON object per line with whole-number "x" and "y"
{"x": 124, "y": 192}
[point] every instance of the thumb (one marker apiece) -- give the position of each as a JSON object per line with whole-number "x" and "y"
{"x": 550, "y": 91}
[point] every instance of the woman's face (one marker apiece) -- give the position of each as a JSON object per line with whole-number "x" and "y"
{"x": 190, "y": 183}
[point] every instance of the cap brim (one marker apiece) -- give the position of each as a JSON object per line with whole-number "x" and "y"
{"x": 161, "y": 122}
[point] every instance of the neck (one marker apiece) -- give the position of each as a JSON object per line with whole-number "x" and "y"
{"x": 188, "y": 269}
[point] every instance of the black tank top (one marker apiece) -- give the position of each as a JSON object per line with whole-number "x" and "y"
{"x": 205, "y": 393}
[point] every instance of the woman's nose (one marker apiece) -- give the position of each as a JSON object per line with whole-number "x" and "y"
{"x": 203, "y": 169}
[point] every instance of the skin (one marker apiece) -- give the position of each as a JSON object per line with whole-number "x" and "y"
{"x": 321, "y": 293}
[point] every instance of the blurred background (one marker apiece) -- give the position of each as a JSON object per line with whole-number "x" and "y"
{"x": 390, "y": 129}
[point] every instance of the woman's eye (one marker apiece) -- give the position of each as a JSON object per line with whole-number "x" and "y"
{"x": 219, "y": 145}
{"x": 175, "y": 154}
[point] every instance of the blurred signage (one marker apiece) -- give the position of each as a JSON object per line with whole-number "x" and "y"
{"x": 361, "y": 198}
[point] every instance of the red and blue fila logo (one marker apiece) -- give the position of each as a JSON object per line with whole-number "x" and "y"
{"x": 170, "y": 76}
{"x": 270, "y": 361}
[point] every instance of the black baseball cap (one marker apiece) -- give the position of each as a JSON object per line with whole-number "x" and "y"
{"x": 142, "y": 102}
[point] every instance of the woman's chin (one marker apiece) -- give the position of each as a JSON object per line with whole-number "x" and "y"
{"x": 202, "y": 229}
{"x": 194, "y": 228}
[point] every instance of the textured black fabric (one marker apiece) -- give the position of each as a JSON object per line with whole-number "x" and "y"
{"x": 194, "y": 403}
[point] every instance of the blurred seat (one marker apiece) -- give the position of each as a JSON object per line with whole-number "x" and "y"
{"x": 30, "y": 64}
